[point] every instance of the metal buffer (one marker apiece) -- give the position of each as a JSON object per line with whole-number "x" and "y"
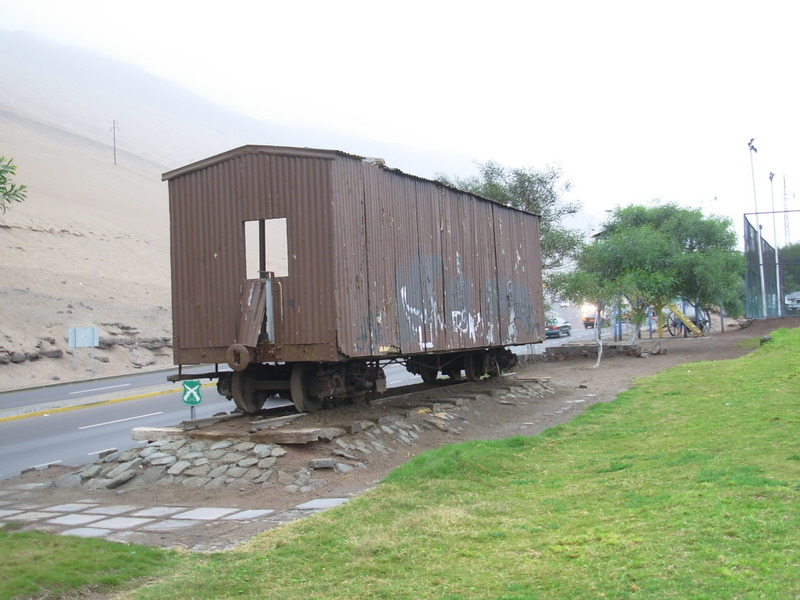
{"x": 684, "y": 319}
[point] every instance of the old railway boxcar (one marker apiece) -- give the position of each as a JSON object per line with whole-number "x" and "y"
{"x": 305, "y": 270}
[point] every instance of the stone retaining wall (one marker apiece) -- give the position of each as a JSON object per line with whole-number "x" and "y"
{"x": 242, "y": 464}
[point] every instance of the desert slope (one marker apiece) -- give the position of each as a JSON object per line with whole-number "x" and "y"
{"x": 89, "y": 247}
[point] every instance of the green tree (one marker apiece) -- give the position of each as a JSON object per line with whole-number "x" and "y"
{"x": 9, "y": 192}
{"x": 703, "y": 256}
{"x": 539, "y": 192}
{"x": 790, "y": 261}
{"x": 650, "y": 255}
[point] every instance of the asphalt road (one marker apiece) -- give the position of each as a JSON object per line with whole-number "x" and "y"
{"x": 76, "y": 437}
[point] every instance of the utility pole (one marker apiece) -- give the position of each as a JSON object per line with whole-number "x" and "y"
{"x": 114, "y": 129}
{"x": 758, "y": 229}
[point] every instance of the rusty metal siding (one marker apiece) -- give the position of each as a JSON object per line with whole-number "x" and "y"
{"x": 430, "y": 199}
{"x": 407, "y": 276}
{"x": 470, "y": 278}
{"x": 208, "y": 207}
{"x": 380, "y": 215}
{"x": 519, "y": 281}
{"x": 350, "y": 259}
{"x": 430, "y": 274}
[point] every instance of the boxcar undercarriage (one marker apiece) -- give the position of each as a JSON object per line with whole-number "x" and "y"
{"x": 312, "y": 385}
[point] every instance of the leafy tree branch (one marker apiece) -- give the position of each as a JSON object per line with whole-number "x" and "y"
{"x": 9, "y": 192}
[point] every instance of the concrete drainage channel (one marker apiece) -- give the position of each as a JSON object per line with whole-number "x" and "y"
{"x": 235, "y": 454}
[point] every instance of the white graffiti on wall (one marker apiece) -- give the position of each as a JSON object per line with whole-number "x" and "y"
{"x": 465, "y": 323}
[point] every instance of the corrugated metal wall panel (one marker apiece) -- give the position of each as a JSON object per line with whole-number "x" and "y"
{"x": 208, "y": 209}
{"x": 381, "y": 241}
{"x": 350, "y": 254}
{"x": 518, "y": 277}
{"x": 401, "y": 196}
{"x": 431, "y": 268}
{"x": 470, "y": 278}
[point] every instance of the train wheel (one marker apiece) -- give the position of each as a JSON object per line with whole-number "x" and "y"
{"x": 247, "y": 398}
{"x": 299, "y": 386}
{"x": 474, "y": 365}
{"x": 428, "y": 373}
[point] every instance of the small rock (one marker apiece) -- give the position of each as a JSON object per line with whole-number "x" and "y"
{"x": 267, "y": 463}
{"x": 219, "y": 471}
{"x": 236, "y": 472}
{"x": 68, "y": 480}
{"x": 179, "y": 467}
{"x": 165, "y": 460}
{"x": 262, "y": 450}
{"x": 121, "y": 479}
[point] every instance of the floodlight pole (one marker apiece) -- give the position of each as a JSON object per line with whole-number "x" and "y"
{"x": 778, "y": 299}
{"x": 758, "y": 229}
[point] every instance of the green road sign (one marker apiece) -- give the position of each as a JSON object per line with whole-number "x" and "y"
{"x": 191, "y": 393}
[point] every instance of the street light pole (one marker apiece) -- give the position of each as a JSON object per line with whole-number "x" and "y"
{"x": 753, "y": 150}
{"x": 778, "y": 298}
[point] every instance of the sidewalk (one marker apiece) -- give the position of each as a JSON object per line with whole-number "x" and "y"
{"x": 167, "y": 526}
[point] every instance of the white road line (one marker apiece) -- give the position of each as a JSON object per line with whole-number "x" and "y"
{"x": 100, "y": 389}
{"x": 122, "y": 420}
{"x": 99, "y": 451}
{"x": 395, "y": 381}
{"x": 55, "y": 462}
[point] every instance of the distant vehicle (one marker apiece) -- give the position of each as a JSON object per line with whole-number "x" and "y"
{"x": 792, "y": 301}
{"x": 588, "y": 313}
{"x": 565, "y": 304}
{"x": 555, "y": 327}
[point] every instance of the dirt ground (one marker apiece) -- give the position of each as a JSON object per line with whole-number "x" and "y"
{"x": 576, "y": 384}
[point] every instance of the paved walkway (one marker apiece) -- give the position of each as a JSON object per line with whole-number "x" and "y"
{"x": 170, "y": 526}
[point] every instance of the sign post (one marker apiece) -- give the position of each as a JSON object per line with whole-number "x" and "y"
{"x": 84, "y": 337}
{"x": 191, "y": 395}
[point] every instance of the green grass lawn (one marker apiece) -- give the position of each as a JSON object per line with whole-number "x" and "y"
{"x": 686, "y": 486}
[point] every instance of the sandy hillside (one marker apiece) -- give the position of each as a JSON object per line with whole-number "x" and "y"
{"x": 89, "y": 247}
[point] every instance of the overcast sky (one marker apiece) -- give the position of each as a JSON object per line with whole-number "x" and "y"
{"x": 634, "y": 100}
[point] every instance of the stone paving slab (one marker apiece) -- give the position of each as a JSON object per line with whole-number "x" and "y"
{"x": 247, "y": 515}
{"x": 74, "y": 519}
{"x": 191, "y": 527}
{"x": 322, "y": 503}
{"x": 111, "y": 510}
{"x": 159, "y": 511}
{"x": 205, "y": 514}
{"x": 170, "y": 525}
{"x": 75, "y": 507}
{"x": 122, "y": 523}
{"x": 33, "y": 516}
